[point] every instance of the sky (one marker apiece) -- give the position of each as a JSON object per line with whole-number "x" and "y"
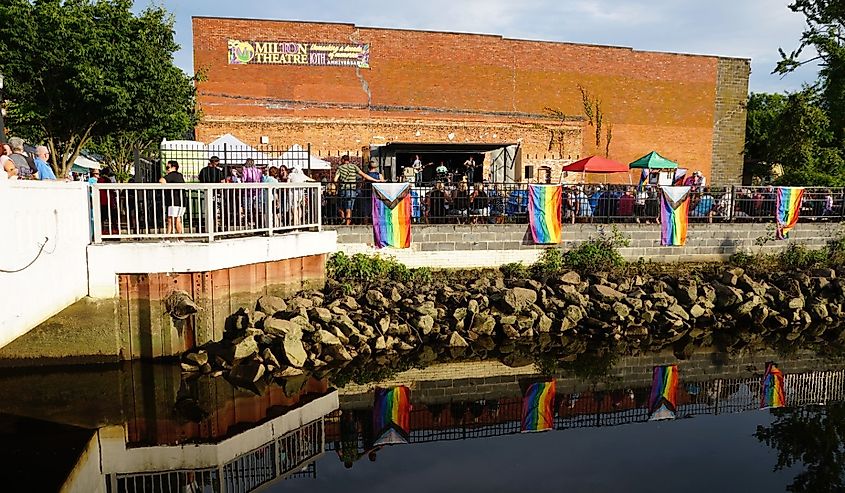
{"x": 752, "y": 29}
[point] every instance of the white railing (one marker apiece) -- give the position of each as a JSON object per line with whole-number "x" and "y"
{"x": 136, "y": 211}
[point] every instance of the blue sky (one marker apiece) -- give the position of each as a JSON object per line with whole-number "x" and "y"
{"x": 744, "y": 28}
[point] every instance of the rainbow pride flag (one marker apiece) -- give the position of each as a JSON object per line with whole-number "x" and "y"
{"x": 643, "y": 179}
{"x": 392, "y": 415}
{"x": 773, "y": 394}
{"x": 392, "y": 215}
{"x": 786, "y": 212}
{"x": 538, "y": 407}
{"x": 664, "y": 392}
{"x": 674, "y": 212}
{"x": 544, "y": 203}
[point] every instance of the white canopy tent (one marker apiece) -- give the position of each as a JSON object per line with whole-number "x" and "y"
{"x": 233, "y": 151}
{"x": 297, "y": 156}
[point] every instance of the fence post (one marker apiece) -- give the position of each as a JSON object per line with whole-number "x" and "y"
{"x": 733, "y": 204}
{"x": 308, "y": 157}
{"x": 319, "y": 204}
{"x": 96, "y": 220}
{"x": 210, "y": 212}
{"x": 271, "y": 208}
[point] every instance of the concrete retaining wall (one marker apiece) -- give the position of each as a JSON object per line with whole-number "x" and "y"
{"x": 491, "y": 245}
{"x": 37, "y": 281}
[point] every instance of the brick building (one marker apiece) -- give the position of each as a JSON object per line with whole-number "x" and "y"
{"x": 520, "y": 106}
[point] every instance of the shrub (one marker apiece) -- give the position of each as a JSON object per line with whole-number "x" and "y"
{"x": 372, "y": 268}
{"x": 798, "y": 256}
{"x": 514, "y": 270}
{"x": 741, "y": 259}
{"x": 598, "y": 254}
{"x": 552, "y": 261}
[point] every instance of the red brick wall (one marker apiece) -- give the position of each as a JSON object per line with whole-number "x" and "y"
{"x": 655, "y": 101}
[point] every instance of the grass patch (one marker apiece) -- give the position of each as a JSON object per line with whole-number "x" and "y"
{"x": 360, "y": 268}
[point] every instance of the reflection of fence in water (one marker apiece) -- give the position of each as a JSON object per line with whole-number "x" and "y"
{"x": 612, "y": 408}
{"x": 287, "y": 455}
{"x": 199, "y": 480}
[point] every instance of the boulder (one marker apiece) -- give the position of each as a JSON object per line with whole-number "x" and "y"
{"x": 517, "y": 299}
{"x": 544, "y": 324}
{"x": 621, "y": 310}
{"x": 246, "y": 373}
{"x": 180, "y": 305}
{"x": 380, "y": 344}
{"x": 678, "y": 310}
{"x": 510, "y": 332}
{"x": 727, "y": 296}
{"x": 376, "y": 299}
{"x": 483, "y": 324}
{"x": 697, "y": 311}
{"x": 280, "y": 328}
{"x": 322, "y": 314}
{"x": 326, "y": 338}
{"x": 606, "y": 293}
{"x": 270, "y": 358}
{"x": 455, "y": 340}
{"x": 424, "y": 324}
{"x": 271, "y": 305}
{"x": 198, "y": 359}
{"x": 796, "y": 303}
{"x": 244, "y": 347}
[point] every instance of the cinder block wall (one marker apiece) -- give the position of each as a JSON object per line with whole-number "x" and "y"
{"x": 456, "y": 246}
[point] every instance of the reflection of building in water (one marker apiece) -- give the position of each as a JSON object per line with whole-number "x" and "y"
{"x": 165, "y": 434}
{"x": 487, "y": 417}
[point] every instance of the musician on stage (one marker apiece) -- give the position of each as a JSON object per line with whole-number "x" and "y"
{"x": 470, "y": 165}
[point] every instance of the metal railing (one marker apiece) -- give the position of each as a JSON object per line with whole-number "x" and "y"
{"x": 497, "y": 203}
{"x": 283, "y": 457}
{"x": 136, "y": 211}
{"x": 192, "y": 157}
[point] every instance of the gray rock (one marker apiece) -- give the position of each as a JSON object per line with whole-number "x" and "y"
{"x": 697, "y": 311}
{"x": 621, "y": 310}
{"x": 376, "y": 299}
{"x": 322, "y": 314}
{"x": 280, "y": 328}
{"x": 606, "y": 293}
{"x": 819, "y": 311}
{"x": 244, "y": 347}
{"x": 517, "y": 299}
{"x": 574, "y": 313}
{"x": 796, "y": 303}
{"x": 727, "y": 296}
{"x": 271, "y": 304}
{"x": 635, "y": 303}
{"x": 510, "y": 332}
{"x": 246, "y": 373}
{"x": 455, "y": 340}
{"x": 395, "y": 295}
{"x": 544, "y": 324}
{"x": 180, "y": 305}
{"x": 483, "y": 324}
{"x": 326, "y": 338}
{"x": 270, "y": 358}
{"x": 380, "y": 344}
{"x": 426, "y": 308}
{"x": 424, "y": 324}
{"x": 199, "y": 358}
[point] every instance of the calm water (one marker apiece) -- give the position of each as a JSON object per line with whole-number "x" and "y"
{"x": 146, "y": 428}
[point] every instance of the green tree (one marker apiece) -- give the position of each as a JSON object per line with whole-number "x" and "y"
{"x": 79, "y": 71}
{"x": 764, "y": 112}
{"x": 824, "y": 36}
{"x": 812, "y": 436}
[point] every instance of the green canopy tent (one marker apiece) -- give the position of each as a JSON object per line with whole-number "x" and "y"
{"x": 653, "y": 160}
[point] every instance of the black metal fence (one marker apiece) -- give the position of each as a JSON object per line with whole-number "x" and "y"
{"x": 498, "y": 203}
{"x": 193, "y": 157}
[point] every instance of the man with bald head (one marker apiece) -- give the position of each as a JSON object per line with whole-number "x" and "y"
{"x": 45, "y": 172}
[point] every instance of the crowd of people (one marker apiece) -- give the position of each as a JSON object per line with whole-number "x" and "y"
{"x": 17, "y": 164}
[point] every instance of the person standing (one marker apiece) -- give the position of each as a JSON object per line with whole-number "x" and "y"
{"x": 212, "y": 173}
{"x": 469, "y": 164}
{"x": 25, "y": 164}
{"x": 173, "y": 199}
{"x": 367, "y": 191}
{"x": 418, "y": 168}
{"x": 45, "y": 172}
{"x": 347, "y": 179}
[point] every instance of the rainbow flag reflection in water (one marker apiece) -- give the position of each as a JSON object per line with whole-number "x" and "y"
{"x": 664, "y": 392}
{"x": 538, "y": 407}
{"x": 773, "y": 393}
{"x": 392, "y": 415}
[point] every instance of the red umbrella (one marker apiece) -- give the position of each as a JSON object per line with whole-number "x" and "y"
{"x": 596, "y": 164}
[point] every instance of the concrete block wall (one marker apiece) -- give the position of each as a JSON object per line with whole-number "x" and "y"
{"x": 729, "y": 121}
{"x": 491, "y": 245}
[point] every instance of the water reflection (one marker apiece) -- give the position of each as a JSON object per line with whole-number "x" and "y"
{"x": 811, "y": 437}
{"x": 151, "y": 428}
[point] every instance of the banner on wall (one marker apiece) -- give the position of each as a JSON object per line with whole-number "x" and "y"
{"x": 298, "y": 53}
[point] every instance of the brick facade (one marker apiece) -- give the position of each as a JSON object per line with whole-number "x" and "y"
{"x": 447, "y": 87}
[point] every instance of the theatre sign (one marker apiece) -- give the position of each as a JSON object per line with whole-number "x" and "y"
{"x": 297, "y": 53}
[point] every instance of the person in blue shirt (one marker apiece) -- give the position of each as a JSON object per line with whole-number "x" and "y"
{"x": 45, "y": 172}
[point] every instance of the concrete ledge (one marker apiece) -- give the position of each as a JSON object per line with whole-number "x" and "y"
{"x": 107, "y": 260}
